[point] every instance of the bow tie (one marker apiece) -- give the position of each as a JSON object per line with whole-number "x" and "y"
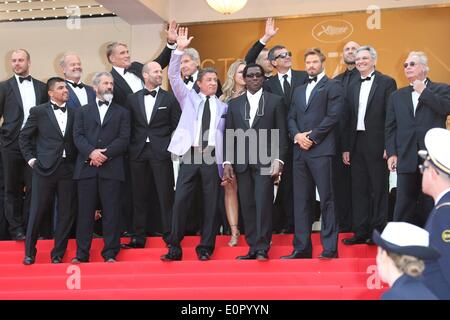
{"x": 312, "y": 79}
{"x": 152, "y": 93}
{"x": 366, "y": 78}
{"x": 188, "y": 79}
{"x": 22, "y": 79}
{"x": 56, "y": 107}
{"x": 101, "y": 102}
{"x": 77, "y": 85}
{"x": 129, "y": 70}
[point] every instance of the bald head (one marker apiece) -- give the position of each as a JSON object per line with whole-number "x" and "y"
{"x": 152, "y": 74}
{"x": 349, "y": 52}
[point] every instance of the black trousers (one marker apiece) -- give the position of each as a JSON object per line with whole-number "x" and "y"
{"x": 17, "y": 175}
{"x": 45, "y": 188}
{"x": 188, "y": 177}
{"x": 308, "y": 173}
{"x": 256, "y": 198}
{"x": 370, "y": 186}
{"x": 145, "y": 171}
{"x": 108, "y": 193}
{"x": 411, "y": 204}
{"x": 284, "y": 203}
{"x": 343, "y": 193}
{"x": 3, "y": 223}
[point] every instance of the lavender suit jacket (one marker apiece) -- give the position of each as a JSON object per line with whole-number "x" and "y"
{"x": 190, "y": 103}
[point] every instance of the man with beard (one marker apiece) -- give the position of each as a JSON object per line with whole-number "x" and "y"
{"x": 262, "y": 115}
{"x": 80, "y": 94}
{"x": 17, "y": 96}
{"x": 47, "y": 145}
{"x": 101, "y": 134}
{"x": 314, "y": 113}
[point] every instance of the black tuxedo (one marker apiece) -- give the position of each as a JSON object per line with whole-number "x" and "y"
{"x": 73, "y": 101}
{"x": 342, "y": 175}
{"x": 404, "y": 134}
{"x": 105, "y": 182}
{"x": 284, "y": 207}
{"x": 150, "y": 162}
{"x": 368, "y": 167}
{"x": 254, "y": 52}
{"x": 16, "y": 171}
{"x": 313, "y": 167}
{"x": 256, "y": 186}
{"x": 42, "y": 139}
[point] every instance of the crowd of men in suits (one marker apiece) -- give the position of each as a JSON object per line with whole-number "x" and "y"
{"x": 108, "y": 147}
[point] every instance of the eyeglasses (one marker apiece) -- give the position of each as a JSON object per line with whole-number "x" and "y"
{"x": 254, "y": 75}
{"x": 411, "y": 64}
{"x": 283, "y": 55}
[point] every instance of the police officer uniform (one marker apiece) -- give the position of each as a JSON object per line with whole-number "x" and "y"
{"x": 437, "y": 273}
{"x": 407, "y": 239}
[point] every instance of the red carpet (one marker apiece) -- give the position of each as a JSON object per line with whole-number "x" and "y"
{"x": 139, "y": 274}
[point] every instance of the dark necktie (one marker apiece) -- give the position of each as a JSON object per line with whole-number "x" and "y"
{"x": 287, "y": 90}
{"x": 247, "y": 112}
{"x": 56, "y": 107}
{"x": 312, "y": 79}
{"x": 188, "y": 79}
{"x": 152, "y": 93}
{"x": 22, "y": 79}
{"x": 101, "y": 102}
{"x": 206, "y": 119}
{"x": 77, "y": 85}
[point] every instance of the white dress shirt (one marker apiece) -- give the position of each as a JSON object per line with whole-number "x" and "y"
{"x": 281, "y": 78}
{"x": 28, "y": 96}
{"x": 61, "y": 118}
{"x": 190, "y": 84}
{"x": 415, "y": 98}
{"x": 254, "y": 99}
{"x": 363, "y": 100}
{"x": 212, "y": 122}
{"x": 102, "y": 110}
{"x": 80, "y": 93}
{"x": 131, "y": 79}
{"x": 149, "y": 102}
{"x": 312, "y": 85}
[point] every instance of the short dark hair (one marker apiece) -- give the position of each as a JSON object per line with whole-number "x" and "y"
{"x": 271, "y": 55}
{"x": 317, "y": 52}
{"x": 52, "y": 81}
{"x": 202, "y": 72}
{"x": 252, "y": 65}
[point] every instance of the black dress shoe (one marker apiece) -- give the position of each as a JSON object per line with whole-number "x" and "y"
{"x": 133, "y": 244}
{"x": 203, "y": 255}
{"x": 174, "y": 254}
{"x": 248, "y": 256}
{"x": 298, "y": 255}
{"x": 326, "y": 255}
{"x": 354, "y": 240}
{"x": 56, "y": 259}
{"x": 19, "y": 236}
{"x": 28, "y": 260}
{"x": 110, "y": 260}
{"x": 77, "y": 260}
{"x": 262, "y": 255}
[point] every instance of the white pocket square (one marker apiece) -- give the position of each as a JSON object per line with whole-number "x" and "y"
{"x": 161, "y": 108}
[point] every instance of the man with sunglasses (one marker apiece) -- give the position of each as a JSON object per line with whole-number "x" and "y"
{"x": 411, "y": 112}
{"x": 283, "y": 84}
{"x": 436, "y": 183}
{"x": 261, "y": 115}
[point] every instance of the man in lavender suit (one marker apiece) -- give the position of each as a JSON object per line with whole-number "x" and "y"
{"x": 198, "y": 139}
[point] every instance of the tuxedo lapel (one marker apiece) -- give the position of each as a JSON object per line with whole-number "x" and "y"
{"x": 302, "y": 92}
{"x": 372, "y": 90}
{"x": 73, "y": 96}
{"x": 120, "y": 82}
{"x": 37, "y": 91}
{"x": 159, "y": 100}
{"x": 70, "y": 119}
{"x": 53, "y": 120}
{"x": 15, "y": 88}
{"x": 316, "y": 88}
{"x": 407, "y": 101}
{"x": 356, "y": 94}
{"x": 108, "y": 114}
{"x": 141, "y": 103}
{"x": 95, "y": 113}
{"x": 243, "y": 102}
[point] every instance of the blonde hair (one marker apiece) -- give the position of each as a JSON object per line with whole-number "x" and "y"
{"x": 410, "y": 265}
{"x": 228, "y": 86}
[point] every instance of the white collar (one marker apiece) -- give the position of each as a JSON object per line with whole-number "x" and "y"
{"x": 281, "y": 75}
{"x": 439, "y": 197}
{"x": 319, "y": 76}
{"x": 256, "y": 95}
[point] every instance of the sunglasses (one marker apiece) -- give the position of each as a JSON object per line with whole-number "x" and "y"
{"x": 283, "y": 55}
{"x": 254, "y": 75}
{"x": 411, "y": 64}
